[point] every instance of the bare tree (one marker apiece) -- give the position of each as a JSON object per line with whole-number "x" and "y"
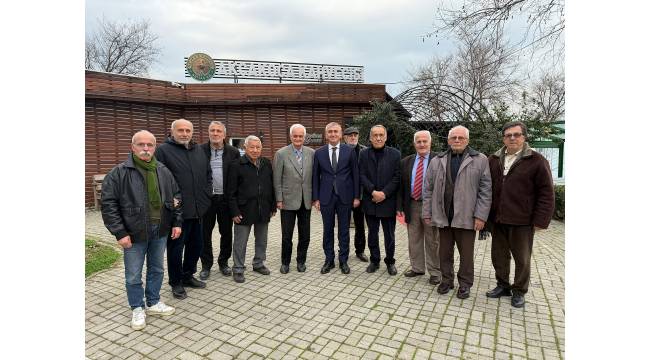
{"x": 544, "y": 22}
{"x": 124, "y": 48}
{"x": 547, "y": 95}
{"x": 477, "y": 75}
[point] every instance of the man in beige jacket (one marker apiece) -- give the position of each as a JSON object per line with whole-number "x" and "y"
{"x": 292, "y": 167}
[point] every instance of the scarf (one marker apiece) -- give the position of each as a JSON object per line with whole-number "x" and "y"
{"x": 151, "y": 180}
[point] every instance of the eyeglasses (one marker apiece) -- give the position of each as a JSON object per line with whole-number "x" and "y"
{"x": 513, "y": 135}
{"x": 145, "y": 144}
{"x": 459, "y": 138}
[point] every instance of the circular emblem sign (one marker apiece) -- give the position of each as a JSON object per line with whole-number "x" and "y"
{"x": 200, "y": 66}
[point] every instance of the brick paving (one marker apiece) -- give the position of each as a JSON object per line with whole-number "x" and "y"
{"x": 334, "y": 316}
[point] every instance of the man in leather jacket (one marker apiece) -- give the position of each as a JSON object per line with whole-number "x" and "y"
{"x": 140, "y": 207}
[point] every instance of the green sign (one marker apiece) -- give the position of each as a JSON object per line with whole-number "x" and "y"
{"x": 200, "y": 66}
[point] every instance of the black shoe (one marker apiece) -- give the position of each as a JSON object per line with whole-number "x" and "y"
{"x": 194, "y": 283}
{"x": 179, "y": 292}
{"x": 391, "y": 269}
{"x": 238, "y": 277}
{"x": 225, "y": 270}
{"x": 444, "y": 288}
{"x": 372, "y": 267}
{"x": 434, "y": 280}
{"x": 412, "y": 273}
{"x": 344, "y": 268}
{"x": 204, "y": 274}
{"x": 498, "y": 292}
{"x": 362, "y": 257}
{"x": 284, "y": 269}
{"x": 301, "y": 267}
{"x": 517, "y": 300}
{"x": 326, "y": 267}
{"x": 463, "y": 292}
{"x": 262, "y": 270}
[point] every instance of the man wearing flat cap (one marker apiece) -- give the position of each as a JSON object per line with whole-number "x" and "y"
{"x": 351, "y": 137}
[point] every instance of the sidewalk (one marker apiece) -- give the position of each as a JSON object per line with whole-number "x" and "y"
{"x": 313, "y": 316}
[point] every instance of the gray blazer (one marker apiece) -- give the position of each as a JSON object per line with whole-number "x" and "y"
{"x": 290, "y": 187}
{"x": 472, "y": 191}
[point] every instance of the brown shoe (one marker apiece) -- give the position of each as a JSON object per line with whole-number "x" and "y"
{"x": 412, "y": 273}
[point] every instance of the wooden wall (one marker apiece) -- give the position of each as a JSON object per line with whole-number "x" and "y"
{"x": 118, "y": 106}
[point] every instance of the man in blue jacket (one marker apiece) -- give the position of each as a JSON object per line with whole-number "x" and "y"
{"x": 141, "y": 220}
{"x": 335, "y": 190}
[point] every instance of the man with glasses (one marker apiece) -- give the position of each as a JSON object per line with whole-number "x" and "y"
{"x": 140, "y": 221}
{"x": 456, "y": 199}
{"x": 522, "y": 201}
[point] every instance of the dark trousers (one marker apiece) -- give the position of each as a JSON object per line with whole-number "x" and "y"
{"x": 464, "y": 240}
{"x": 518, "y": 240}
{"x": 218, "y": 211}
{"x": 191, "y": 241}
{"x": 342, "y": 212}
{"x": 359, "y": 230}
{"x": 287, "y": 222}
{"x": 388, "y": 226}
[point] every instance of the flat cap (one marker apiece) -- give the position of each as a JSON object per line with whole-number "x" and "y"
{"x": 351, "y": 130}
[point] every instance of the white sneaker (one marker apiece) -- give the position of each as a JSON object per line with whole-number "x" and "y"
{"x": 160, "y": 309}
{"x": 138, "y": 319}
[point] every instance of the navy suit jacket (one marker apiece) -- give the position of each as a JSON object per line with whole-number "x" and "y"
{"x": 346, "y": 175}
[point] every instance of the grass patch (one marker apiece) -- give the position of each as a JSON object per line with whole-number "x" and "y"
{"x": 99, "y": 257}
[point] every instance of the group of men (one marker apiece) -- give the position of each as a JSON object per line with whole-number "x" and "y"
{"x": 175, "y": 198}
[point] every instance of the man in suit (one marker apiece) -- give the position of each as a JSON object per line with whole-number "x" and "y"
{"x": 335, "y": 190}
{"x": 457, "y": 198}
{"x": 251, "y": 201}
{"x": 523, "y": 200}
{"x": 423, "y": 239}
{"x": 351, "y": 137}
{"x": 219, "y": 154}
{"x": 379, "y": 173}
{"x": 292, "y": 168}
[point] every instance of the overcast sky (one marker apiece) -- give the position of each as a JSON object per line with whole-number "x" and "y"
{"x": 383, "y": 36}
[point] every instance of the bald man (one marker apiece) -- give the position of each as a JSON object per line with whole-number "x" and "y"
{"x": 190, "y": 166}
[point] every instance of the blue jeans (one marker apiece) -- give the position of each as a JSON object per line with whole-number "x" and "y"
{"x": 154, "y": 251}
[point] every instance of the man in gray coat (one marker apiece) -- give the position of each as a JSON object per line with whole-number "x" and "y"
{"x": 456, "y": 199}
{"x": 292, "y": 168}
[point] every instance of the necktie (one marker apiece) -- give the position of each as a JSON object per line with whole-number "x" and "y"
{"x": 417, "y": 184}
{"x": 334, "y": 161}
{"x": 299, "y": 159}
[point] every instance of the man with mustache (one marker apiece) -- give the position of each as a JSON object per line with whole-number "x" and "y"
{"x": 141, "y": 220}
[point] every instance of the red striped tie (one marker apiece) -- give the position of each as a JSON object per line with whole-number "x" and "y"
{"x": 417, "y": 184}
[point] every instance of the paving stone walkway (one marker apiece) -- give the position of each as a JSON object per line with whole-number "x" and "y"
{"x": 313, "y": 316}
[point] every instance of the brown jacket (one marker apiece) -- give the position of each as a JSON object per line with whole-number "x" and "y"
{"x": 525, "y": 196}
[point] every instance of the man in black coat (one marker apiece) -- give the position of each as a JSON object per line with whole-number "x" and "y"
{"x": 379, "y": 170}
{"x": 141, "y": 221}
{"x": 351, "y": 137}
{"x": 251, "y": 201}
{"x": 219, "y": 155}
{"x": 188, "y": 163}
